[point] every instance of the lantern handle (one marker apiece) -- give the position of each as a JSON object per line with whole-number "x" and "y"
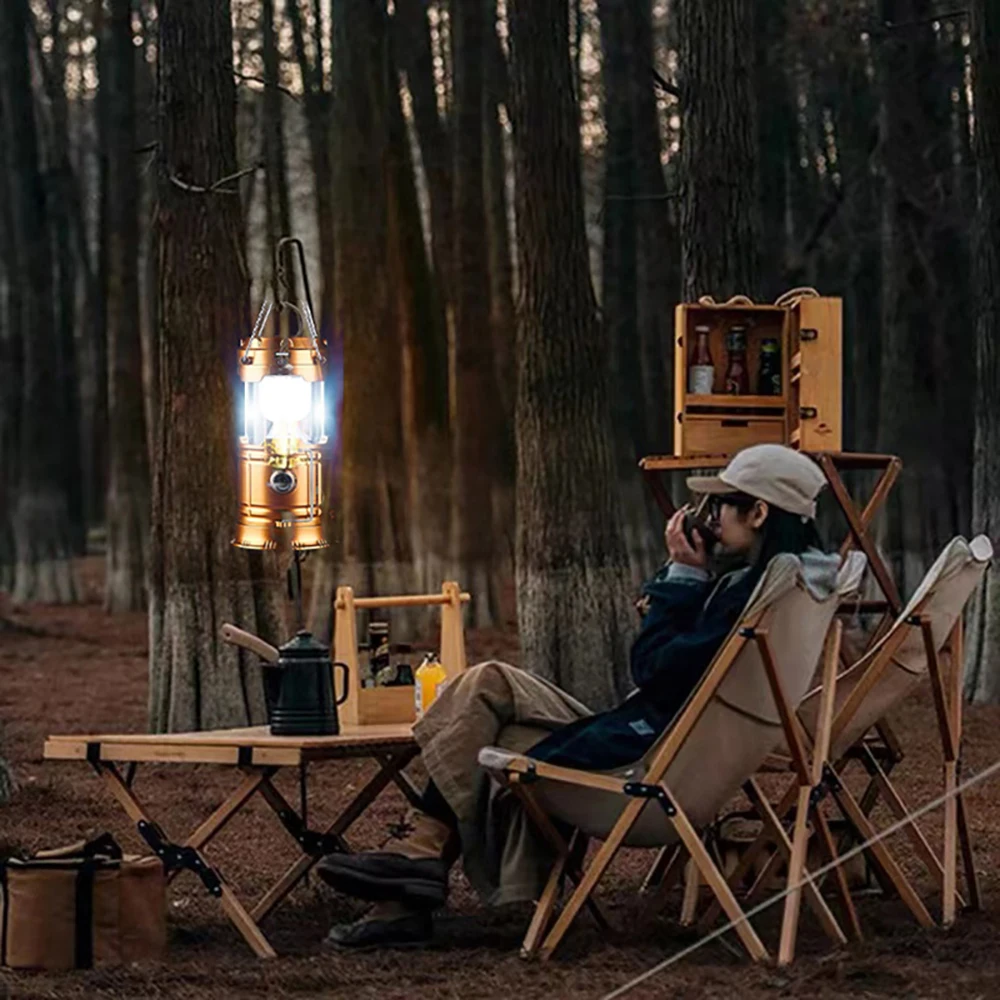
{"x": 282, "y": 282}
{"x": 262, "y": 317}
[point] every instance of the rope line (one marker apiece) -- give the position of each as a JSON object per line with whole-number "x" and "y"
{"x": 811, "y": 877}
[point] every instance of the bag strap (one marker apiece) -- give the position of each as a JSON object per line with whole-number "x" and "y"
{"x": 84, "y": 927}
{"x": 104, "y": 846}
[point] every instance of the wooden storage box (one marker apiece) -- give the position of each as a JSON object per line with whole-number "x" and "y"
{"x": 392, "y": 705}
{"x": 807, "y": 413}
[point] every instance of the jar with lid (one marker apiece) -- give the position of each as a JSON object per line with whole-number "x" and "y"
{"x": 701, "y": 370}
{"x": 737, "y": 376}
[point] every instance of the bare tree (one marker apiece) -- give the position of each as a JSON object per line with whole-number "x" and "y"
{"x": 983, "y": 679}
{"x": 477, "y": 408}
{"x": 198, "y": 580}
{"x": 128, "y": 486}
{"x": 719, "y": 225}
{"x": 43, "y": 532}
{"x": 574, "y": 615}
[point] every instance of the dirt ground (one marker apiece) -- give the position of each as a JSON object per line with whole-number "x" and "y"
{"x": 78, "y": 669}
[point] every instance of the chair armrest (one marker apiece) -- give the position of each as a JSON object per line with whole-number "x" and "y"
{"x": 525, "y": 769}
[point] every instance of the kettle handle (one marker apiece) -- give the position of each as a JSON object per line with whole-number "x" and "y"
{"x": 347, "y": 680}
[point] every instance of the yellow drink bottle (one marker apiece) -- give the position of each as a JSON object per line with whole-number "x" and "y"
{"x": 429, "y": 677}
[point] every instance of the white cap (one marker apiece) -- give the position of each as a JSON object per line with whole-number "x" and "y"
{"x": 771, "y": 472}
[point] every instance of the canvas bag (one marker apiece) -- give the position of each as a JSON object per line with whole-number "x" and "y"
{"x": 80, "y": 906}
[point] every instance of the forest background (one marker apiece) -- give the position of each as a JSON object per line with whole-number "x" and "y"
{"x": 502, "y": 202}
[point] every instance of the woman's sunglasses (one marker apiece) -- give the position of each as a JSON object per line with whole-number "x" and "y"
{"x": 714, "y": 504}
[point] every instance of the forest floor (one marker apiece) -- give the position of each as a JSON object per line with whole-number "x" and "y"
{"x": 77, "y": 669}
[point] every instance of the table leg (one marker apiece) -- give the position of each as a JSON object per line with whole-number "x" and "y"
{"x": 660, "y": 494}
{"x": 297, "y": 871}
{"x": 189, "y": 856}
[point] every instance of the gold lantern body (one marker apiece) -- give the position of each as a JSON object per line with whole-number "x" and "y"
{"x": 282, "y": 447}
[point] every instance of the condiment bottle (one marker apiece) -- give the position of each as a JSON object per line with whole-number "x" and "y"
{"x": 701, "y": 370}
{"x": 429, "y": 678}
{"x": 769, "y": 374}
{"x": 737, "y": 376}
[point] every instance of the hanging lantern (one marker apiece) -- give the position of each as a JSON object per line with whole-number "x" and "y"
{"x": 284, "y": 426}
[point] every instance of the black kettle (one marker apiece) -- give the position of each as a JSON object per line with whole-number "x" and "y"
{"x": 306, "y": 703}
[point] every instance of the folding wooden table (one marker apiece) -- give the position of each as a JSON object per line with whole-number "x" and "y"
{"x": 257, "y": 756}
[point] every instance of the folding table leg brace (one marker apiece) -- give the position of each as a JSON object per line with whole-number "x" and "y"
{"x": 257, "y": 779}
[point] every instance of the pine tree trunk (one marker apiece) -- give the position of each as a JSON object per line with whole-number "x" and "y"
{"x": 11, "y": 366}
{"x": 43, "y": 532}
{"x": 128, "y": 488}
{"x": 374, "y": 546}
{"x": 632, "y": 162}
{"x": 198, "y": 579}
{"x": 911, "y": 118}
{"x": 502, "y": 321}
{"x": 719, "y": 185}
{"x": 413, "y": 44}
{"x": 983, "y": 645}
{"x": 420, "y": 314}
{"x": 476, "y": 405}
{"x": 277, "y": 208}
{"x": 574, "y": 615}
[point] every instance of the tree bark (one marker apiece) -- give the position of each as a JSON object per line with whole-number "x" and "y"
{"x": 129, "y": 486}
{"x": 476, "y": 403}
{"x": 374, "y": 552}
{"x": 719, "y": 184}
{"x": 983, "y": 646}
{"x": 574, "y": 615}
{"x": 913, "y": 120}
{"x": 413, "y": 44}
{"x": 11, "y": 367}
{"x": 501, "y": 271}
{"x": 278, "y": 211}
{"x": 198, "y": 579}
{"x": 44, "y": 537}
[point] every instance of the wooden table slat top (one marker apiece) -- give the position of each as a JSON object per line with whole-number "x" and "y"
{"x": 251, "y": 736}
{"x": 680, "y": 463}
{"x": 252, "y": 745}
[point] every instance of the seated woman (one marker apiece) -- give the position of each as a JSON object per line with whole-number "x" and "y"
{"x": 761, "y": 504}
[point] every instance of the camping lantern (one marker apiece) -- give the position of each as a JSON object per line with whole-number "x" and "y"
{"x": 284, "y": 426}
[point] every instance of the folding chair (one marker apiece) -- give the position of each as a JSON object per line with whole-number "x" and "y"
{"x": 737, "y": 714}
{"x": 908, "y": 654}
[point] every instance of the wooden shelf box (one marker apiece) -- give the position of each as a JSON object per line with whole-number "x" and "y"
{"x": 806, "y": 415}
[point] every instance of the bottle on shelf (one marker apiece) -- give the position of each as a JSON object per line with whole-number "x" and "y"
{"x": 737, "y": 376}
{"x": 430, "y": 676}
{"x": 769, "y": 373}
{"x": 701, "y": 370}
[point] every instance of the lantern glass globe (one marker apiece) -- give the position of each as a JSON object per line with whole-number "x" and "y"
{"x": 284, "y": 399}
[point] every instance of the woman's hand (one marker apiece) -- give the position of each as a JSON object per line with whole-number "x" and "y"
{"x": 680, "y": 549}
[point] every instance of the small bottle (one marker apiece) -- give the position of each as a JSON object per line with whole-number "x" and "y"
{"x": 737, "y": 376}
{"x": 430, "y": 677}
{"x": 701, "y": 371}
{"x": 769, "y": 374}
{"x": 378, "y": 650}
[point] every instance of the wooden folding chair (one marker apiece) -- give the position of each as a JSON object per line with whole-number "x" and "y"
{"x": 738, "y": 713}
{"x": 908, "y": 655}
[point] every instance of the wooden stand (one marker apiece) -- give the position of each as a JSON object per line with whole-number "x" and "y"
{"x": 392, "y": 705}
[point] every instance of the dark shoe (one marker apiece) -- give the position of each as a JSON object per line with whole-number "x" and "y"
{"x": 383, "y": 877}
{"x": 411, "y": 931}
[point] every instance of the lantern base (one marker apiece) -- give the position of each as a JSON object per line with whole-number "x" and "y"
{"x": 267, "y": 536}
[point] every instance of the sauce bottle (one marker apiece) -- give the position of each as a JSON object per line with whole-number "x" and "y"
{"x": 769, "y": 375}
{"x": 737, "y": 376}
{"x": 429, "y": 677}
{"x": 701, "y": 370}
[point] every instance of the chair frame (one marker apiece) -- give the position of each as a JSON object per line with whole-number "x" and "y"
{"x": 520, "y": 772}
{"x": 947, "y": 695}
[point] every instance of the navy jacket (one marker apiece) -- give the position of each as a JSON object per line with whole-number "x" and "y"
{"x": 689, "y": 618}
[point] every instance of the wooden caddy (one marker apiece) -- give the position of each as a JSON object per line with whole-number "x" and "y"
{"x": 806, "y": 415}
{"x": 391, "y": 705}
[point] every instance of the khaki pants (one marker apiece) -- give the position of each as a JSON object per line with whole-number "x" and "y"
{"x": 493, "y": 704}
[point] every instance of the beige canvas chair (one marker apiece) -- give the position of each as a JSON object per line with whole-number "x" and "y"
{"x": 739, "y": 712}
{"x": 910, "y": 654}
